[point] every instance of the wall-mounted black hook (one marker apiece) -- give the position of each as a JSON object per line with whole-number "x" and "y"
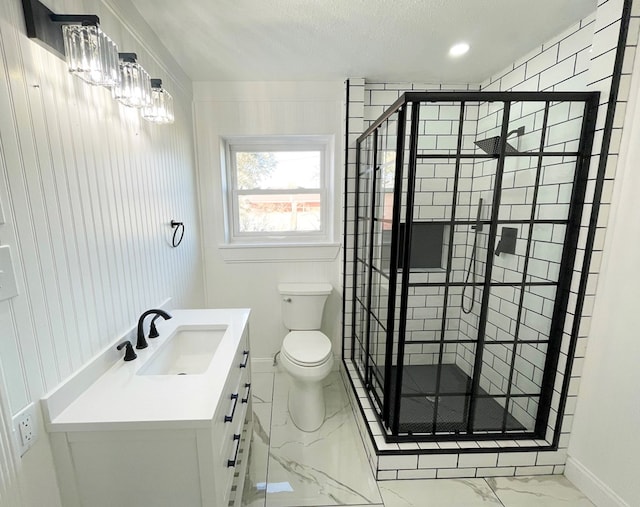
{"x": 177, "y": 226}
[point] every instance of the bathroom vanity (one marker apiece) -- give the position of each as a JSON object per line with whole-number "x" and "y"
{"x": 169, "y": 428}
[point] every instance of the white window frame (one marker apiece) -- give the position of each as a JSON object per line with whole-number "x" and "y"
{"x": 233, "y": 235}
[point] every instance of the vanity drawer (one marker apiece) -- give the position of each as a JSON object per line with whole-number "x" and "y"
{"x": 236, "y": 452}
{"x": 233, "y": 404}
{"x": 229, "y": 441}
{"x": 234, "y": 410}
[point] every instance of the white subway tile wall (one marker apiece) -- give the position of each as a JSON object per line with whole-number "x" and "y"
{"x": 580, "y": 58}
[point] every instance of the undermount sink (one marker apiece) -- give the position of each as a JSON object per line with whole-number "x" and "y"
{"x": 188, "y": 351}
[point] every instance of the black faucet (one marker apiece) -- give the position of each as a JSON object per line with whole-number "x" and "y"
{"x": 142, "y": 342}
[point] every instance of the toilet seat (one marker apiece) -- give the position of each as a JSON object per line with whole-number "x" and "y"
{"x": 307, "y": 348}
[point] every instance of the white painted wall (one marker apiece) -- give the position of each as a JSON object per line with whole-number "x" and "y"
{"x": 604, "y": 445}
{"x": 275, "y": 108}
{"x": 88, "y": 190}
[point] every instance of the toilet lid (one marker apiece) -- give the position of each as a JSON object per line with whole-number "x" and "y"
{"x": 307, "y": 347}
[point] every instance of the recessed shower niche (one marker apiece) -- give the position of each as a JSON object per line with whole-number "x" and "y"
{"x": 428, "y": 246}
{"x": 468, "y": 207}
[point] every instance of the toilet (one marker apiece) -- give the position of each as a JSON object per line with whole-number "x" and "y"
{"x": 306, "y": 352}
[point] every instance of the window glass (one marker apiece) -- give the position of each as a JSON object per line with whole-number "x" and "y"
{"x": 277, "y": 186}
{"x": 277, "y": 169}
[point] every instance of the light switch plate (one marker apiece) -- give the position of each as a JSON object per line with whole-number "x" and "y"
{"x": 8, "y": 285}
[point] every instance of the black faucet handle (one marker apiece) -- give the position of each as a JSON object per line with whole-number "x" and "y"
{"x": 129, "y": 353}
{"x": 153, "y": 330}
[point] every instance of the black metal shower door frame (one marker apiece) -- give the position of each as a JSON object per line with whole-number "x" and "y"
{"x": 391, "y": 408}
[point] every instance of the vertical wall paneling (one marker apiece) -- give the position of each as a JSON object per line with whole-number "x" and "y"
{"x": 88, "y": 189}
{"x": 9, "y": 490}
{"x": 246, "y": 109}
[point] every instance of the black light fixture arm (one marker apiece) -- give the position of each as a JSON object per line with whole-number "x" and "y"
{"x": 128, "y": 57}
{"x": 45, "y": 26}
{"x": 76, "y": 19}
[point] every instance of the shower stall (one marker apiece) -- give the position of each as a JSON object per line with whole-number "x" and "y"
{"x": 468, "y": 207}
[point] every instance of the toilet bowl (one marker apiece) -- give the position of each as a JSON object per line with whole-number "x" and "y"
{"x": 307, "y": 369}
{"x": 305, "y": 354}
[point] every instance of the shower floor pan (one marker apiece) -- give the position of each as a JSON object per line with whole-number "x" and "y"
{"x": 417, "y": 406}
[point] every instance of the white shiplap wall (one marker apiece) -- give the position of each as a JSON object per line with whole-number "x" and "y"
{"x": 88, "y": 190}
{"x": 230, "y": 109}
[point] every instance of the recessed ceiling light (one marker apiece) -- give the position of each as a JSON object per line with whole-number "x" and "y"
{"x": 459, "y": 49}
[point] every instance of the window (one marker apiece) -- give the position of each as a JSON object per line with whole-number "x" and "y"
{"x": 277, "y": 190}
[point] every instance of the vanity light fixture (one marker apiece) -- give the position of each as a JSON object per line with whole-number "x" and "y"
{"x": 93, "y": 56}
{"x": 458, "y": 49}
{"x": 161, "y": 108}
{"x": 134, "y": 86}
{"x": 90, "y": 53}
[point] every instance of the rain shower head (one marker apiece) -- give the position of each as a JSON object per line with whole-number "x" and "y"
{"x": 491, "y": 145}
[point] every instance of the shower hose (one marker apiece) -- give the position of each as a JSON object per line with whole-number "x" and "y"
{"x": 471, "y": 270}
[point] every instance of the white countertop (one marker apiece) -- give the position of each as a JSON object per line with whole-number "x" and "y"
{"x": 120, "y": 399}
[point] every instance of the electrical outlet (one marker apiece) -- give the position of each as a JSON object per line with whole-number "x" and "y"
{"x": 25, "y": 425}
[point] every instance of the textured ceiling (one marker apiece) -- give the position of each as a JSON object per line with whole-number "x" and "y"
{"x": 394, "y": 40}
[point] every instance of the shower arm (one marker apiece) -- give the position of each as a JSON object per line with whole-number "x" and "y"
{"x": 519, "y": 131}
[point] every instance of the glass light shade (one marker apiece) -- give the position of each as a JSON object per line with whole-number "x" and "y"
{"x": 91, "y": 54}
{"x": 134, "y": 87}
{"x": 161, "y": 108}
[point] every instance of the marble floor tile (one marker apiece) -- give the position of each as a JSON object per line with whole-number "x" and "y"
{"x": 328, "y": 467}
{"x": 539, "y": 491}
{"x": 438, "y": 493}
{"x": 325, "y": 467}
{"x": 262, "y": 387}
{"x": 280, "y": 386}
{"x": 254, "y": 494}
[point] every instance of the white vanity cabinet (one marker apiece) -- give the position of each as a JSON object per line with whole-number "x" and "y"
{"x": 228, "y": 437}
{"x": 172, "y": 460}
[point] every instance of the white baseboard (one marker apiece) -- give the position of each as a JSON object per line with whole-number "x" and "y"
{"x": 597, "y": 491}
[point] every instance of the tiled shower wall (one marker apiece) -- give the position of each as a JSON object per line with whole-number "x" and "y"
{"x": 580, "y": 58}
{"x": 517, "y": 189}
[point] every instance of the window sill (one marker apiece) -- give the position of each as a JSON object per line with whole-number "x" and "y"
{"x": 260, "y": 252}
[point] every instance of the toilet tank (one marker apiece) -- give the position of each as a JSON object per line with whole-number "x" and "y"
{"x": 303, "y": 304}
